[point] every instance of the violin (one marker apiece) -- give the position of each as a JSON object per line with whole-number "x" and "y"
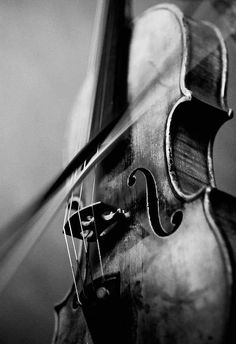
{"x": 156, "y": 238}
{"x": 156, "y": 262}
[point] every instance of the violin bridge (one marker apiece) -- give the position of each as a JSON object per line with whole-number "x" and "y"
{"x": 97, "y": 217}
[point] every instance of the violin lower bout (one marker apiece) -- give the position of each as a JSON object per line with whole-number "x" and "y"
{"x": 176, "y": 289}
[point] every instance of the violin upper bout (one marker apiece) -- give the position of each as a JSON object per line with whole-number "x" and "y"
{"x": 156, "y": 54}
{"x": 184, "y": 65}
{"x": 173, "y": 50}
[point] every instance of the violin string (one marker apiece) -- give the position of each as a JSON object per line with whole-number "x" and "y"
{"x": 90, "y": 270}
{"x": 80, "y": 278}
{"x": 84, "y": 238}
{"x": 71, "y": 233}
{"x": 80, "y": 221}
{"x": 77, "y": 212}
{"x": 73, "y": 198}
{"x": 67, "y": 219}
{"x": 96, "y": 232}
{"x": 69, "y": 255}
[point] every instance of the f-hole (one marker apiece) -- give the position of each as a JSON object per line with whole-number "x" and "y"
{"x": 161, "y": 223}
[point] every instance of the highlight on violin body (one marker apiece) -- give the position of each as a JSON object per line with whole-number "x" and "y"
{"x": 149, "y": 237}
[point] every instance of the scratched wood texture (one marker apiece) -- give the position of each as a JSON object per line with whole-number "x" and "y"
{"x": 176, "y": 274}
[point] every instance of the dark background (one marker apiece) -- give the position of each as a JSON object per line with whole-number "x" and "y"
{"x": 44, "y": 49}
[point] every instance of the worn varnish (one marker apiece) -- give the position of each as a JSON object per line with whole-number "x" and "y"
{"x": 172, "y": 260}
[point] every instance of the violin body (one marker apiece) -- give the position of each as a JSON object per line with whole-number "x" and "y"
{"x": 168, "y": 255}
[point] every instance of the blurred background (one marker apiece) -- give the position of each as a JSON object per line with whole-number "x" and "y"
{"x": 44, "y": 50}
